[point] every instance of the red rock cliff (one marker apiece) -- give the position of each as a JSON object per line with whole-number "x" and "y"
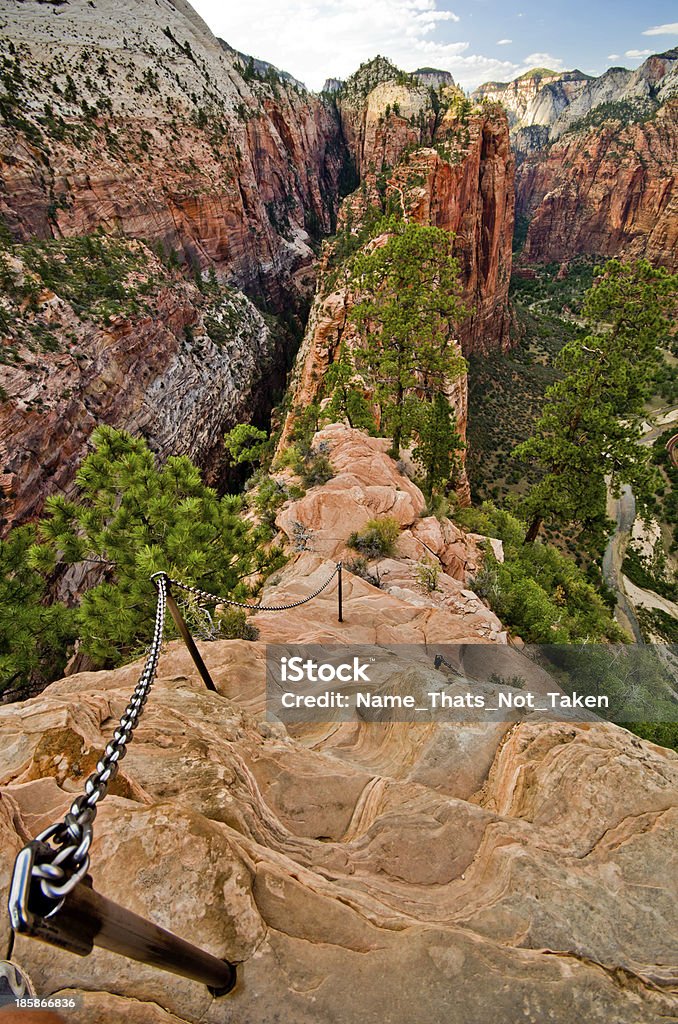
{"x": 150, "y": 129}
{"x": 609, "y": 191}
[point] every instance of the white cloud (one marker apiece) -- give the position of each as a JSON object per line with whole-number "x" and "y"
{"x": 663, "y": 30}
{"x": 542, "y": 60}
{"x": 613, "y": 56}
{"x": 638, "y": 53}
{"x": 319, "y": 39}
{"x": 504, "y": 42}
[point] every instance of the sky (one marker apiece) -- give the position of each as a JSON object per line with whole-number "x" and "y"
{"x": 477, "y": 40}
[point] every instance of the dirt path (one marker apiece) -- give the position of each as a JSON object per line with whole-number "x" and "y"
{"x": 623, "y": 511}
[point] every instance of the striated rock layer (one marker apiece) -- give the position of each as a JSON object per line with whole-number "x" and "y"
{"x": 143, "y": 124}
{"x": 157, "y": 372}
{"x": 609, "y": 191}
{"x": 596, "y": 161}
{"x": 356, "y": 873}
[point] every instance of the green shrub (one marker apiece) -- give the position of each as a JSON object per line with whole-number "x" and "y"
{"x": 377, "y": 538}
{"x": 541, "y": 594}
{"x": 34, "y": 637}
{"x": 664, "y": 734}
{"x": 245, "y": 444}
{"x": 232, "y": 624}
{"x": 360, "y": 567}
{"x": 134, "y": 518}
{"x": 427, "y": 573}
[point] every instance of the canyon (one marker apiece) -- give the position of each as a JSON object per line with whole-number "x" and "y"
{"x": 177, "y": 223}
{"x": 159, "y": 133}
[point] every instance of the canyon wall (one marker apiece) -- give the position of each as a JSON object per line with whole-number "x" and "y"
{"x": 596, "y": 160}
{"x": 150, "y": 129}
{"x": 118, "y": 123}
{"x": 173, "y": 369}
{"x": 143, "y": 124}
{"x": 433, "y": 159}
{"x": 605, "y": 192}
{"x": 537, "y": 97}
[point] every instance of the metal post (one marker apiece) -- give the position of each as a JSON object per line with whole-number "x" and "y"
{"x": 86, "y": 919}
{"x": 340, "y": 595}
{"x": 190, "y": 642}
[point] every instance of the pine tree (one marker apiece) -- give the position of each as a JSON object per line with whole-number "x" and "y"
{"x": 347, "y": 401}
{"x": 590, "y": 426}
{"x": 132, "y": 518}
{"x": 438, "y": 444}
{"x": 406, "y": 322}
{"x": 34, "y": 636}
{"x": 245, "y": 444}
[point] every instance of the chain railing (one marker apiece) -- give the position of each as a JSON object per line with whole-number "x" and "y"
{"x": 51, "y": 896}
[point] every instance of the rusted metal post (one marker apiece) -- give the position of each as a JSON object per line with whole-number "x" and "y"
{"x": 86, "y": 919}
{"x": 189, "y": 641}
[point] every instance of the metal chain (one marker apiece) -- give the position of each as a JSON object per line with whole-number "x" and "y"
{"x": 71, "y": 839}
{"x": 216, "y": 599}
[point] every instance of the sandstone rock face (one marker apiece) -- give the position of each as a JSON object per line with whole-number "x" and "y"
{"x": 358, "y": 873}
{"x": 537, "y": 98}
{"x": 606, "y": 192}
{"x": 464, "y": 185}
{"x": 474, "y": 198}
{"x": 158, "y": 374}
{"x": 544, "y": 104}
{"x": 153, "y": 132}
{"x": 143, "y": 126}
{"x": 596, "y": 161}
{"x": 369, "y": 485}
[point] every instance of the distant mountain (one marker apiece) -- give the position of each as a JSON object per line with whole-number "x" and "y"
{"x": 597, "y": 162}
{"x": 543, "y": 105}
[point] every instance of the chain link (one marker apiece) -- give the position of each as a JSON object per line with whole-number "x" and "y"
{"x": 71, "y": 839}
{"x": 217, "y": 599}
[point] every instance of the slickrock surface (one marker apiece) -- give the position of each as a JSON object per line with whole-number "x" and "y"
{"x": 368, "y": 484}
{"x": 410, "y": 873}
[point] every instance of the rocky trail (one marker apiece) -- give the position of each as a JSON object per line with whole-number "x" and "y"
{"x": 359, "y": 871}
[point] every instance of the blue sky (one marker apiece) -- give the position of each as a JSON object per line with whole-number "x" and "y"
{"x": 476, "y": 40}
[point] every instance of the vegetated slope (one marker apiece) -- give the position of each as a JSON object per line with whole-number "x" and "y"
{"x": 331, "y": 859}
